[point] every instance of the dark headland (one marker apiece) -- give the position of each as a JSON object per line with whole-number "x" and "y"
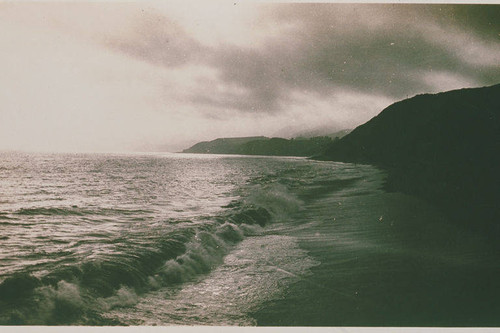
{"x": 444, "y": 148}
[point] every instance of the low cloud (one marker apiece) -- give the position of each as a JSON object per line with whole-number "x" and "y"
{"x": 375, "y": 49}
{"x": 90, "y": 76}
{"x": 439, "y": 81}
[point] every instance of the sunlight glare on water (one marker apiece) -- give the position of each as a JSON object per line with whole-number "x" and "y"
{"x": 174, "y": 239}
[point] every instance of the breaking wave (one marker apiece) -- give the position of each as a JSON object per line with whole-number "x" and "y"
{"x": 77, "y": 293}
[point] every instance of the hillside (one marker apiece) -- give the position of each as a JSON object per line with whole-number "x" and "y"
{"x": 262, "y": 146}
{"x": 443, "y": 147}
{"x": 316, "y": 133}
{"x": 222, "y": 145}
{"x": 322, "y": 132}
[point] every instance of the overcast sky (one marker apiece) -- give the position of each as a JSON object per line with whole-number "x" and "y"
{"x": 148, "y": 76}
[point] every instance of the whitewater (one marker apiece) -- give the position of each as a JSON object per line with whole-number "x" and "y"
{"x": 186, "y": 239}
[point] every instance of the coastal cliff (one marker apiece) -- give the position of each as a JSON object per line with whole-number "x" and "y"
{"x": 442, "y": 147}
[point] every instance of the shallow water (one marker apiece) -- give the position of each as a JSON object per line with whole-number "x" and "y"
{"x": 169, "y": 239}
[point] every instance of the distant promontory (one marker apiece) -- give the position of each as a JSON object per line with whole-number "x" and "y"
{"x": 261, "y": 145}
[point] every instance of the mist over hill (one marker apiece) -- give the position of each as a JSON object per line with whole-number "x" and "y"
{"x": 307, "y": 131}
{"x": 320, "y": 132}
{"x": 442, "y": 147}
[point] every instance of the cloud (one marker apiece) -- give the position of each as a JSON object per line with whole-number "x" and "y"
{"x": 379, "y": 47}
{"x": 87, "y": 76}
{"x": 59, "y": 93}
{"x": 439, "y": 81}
{"x": 155, "y": 38}
{"x": 370, "y": 48}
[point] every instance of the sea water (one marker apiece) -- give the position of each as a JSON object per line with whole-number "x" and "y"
{"x": 183, "y": 239}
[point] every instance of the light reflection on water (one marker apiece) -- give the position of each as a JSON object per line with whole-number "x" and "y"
{"x": 226, "y": 240}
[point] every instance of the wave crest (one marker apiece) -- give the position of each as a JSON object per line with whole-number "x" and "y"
{"x": 76, "y": 294}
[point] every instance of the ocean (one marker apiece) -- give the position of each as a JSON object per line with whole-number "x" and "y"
{"x": 185, "y": 239}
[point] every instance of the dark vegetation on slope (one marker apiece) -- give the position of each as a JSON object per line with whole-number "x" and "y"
{"x": 444, "y": 148}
